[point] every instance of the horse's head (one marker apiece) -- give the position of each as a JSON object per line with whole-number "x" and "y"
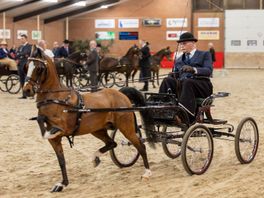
{"x": 36, "y": 68}
{"x": 134, "y": 51}
{"x": 167, "y": 53}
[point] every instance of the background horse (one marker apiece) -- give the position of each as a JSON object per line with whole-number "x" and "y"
{"x": 125, "y": 65}
{"x": 67, "y": 66}
{"x": 53, "y": 98}
{"x": 155, "y": 64}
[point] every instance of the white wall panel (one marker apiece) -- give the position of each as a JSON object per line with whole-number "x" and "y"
{"x": 246, "y": 26}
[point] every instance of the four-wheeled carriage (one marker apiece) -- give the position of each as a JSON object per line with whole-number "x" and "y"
{"x": 192, "y": 141}
{"x": 9, "y": 80}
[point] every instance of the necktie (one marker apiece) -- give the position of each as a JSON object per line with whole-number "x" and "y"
{"x": 188, "y": 59}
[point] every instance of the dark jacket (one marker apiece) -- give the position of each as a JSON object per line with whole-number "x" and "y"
{"x": 212, "y": 51}
{"x": 145, "y": 60}
{"x": 201, "y": 60}
{"x": 62, "y": 53}
{"x": 23, "y": 53}
{"x": 92, "y": 61}
{"x": 3, "y": 54}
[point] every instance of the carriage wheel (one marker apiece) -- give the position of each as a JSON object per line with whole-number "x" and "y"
{"x": 13, "y": 84}
{"x": 107, "y": 81}
{"x": 3, "y": 83}
{"x": 120, "y": 79}
{"x": 81, "y": 80}
{"x": 125, "y": 154}
{"x": 246, "y": 140}
{"x": 172, "y": 150}
{"x": 197, "y": 149}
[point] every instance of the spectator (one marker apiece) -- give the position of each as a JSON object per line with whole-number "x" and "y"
{"x": 92, "y": 65}
{"x": 212, "y": 51}
{"x": 144, "y": 64}
{"x": 43, "y": 45}
{"x": 4, "y": 56}
{"x": 23, "y": 53}
{"x": 55, "y": 49}
{"x": 64, "y": 51}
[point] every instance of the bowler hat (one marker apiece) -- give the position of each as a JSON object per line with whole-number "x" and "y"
{"x": 187, "y": 36}
{"x": 66, "y": 41}
{"x": 3, "y": 43}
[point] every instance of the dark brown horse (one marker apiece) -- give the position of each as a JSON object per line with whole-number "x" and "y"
{"x": 67, "y": 66}
{"x": 53, "y": 99}
{"x": 125, "y": 65}
{"x": 155, "y": 64}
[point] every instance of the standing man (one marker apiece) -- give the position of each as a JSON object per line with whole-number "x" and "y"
{"x": 92, "y": 65}
{"x": 192, "y": 75}
{"x": 55, "y": 49}
{"x": 212, "y": 51}
{"x": 23, "y": 53}
{"x": 144, "y": 64}
{"x": 64, "y": 51}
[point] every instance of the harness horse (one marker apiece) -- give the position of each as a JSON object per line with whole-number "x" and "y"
{"x": 54, "y": 99}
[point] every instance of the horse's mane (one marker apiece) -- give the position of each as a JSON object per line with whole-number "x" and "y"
{"x": 129, "y": 51}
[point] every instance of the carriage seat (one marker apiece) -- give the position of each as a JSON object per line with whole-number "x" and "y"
{"x": 204, "y": 108}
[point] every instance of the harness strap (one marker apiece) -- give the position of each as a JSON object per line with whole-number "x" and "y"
{"x": 80, "y": 105}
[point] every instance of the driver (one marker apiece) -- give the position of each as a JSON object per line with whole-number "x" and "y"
{"x": 191, "y": 74}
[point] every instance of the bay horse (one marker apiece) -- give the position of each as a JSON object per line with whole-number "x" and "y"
{"x": 53, "y": 98}
{"x": 155, "y": 64}
{"x": 125, "y": 65}
{"x": 67, "y": 66}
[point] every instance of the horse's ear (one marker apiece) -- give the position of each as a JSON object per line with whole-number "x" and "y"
{"x": 168, "y": 48}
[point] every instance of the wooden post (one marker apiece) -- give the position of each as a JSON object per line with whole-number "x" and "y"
{"x": 67, "y": 28}
{"x": 4, "y": 26}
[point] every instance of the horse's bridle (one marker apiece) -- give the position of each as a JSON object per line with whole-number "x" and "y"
{"x": 35, "y": 83}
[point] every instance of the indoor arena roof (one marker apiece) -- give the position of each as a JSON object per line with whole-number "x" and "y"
{"x": 51, "y": 10}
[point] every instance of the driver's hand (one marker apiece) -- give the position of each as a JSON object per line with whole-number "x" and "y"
{"x": 187, "y": 68}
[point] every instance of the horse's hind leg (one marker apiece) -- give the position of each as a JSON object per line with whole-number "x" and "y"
{"x": 129, "y": 130}
{"x": 56, "y": 144}
{"x": 109, "y": 144}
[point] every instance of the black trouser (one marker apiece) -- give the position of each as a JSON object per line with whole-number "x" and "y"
{"x": 94, "y": 80}
{"x": 145, "y": 76}
{"x": 22, "y": 76}
{"x": 187, "y": 91}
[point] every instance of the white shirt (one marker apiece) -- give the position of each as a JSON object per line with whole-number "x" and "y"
{"x": 49, "y": 53}
{"x": 192, "y": 53}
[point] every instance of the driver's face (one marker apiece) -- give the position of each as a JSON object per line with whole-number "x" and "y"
{"x": 187, "y": 46}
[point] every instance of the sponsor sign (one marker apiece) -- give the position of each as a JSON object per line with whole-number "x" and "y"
{"x": 104, "y": 23}
{"x": 151, "y": 22}
{"x": 128, "y": 23}
{"x": 5, "y": 34}
{"x": 174, "y": 35}
{"x": 20, "y": 32}
{"x": 208, "y": 35}
{"x": 208, "y": 22}
{"x": 176, "y": 22}
{"x": 105, "y": 35}
{"x": 36, "y": 35}
{"x": 128, "y": 35}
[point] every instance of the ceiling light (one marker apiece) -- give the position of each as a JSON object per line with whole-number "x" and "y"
{"x": 104, "y": 6}
{"x": 51, "y": 1}
{"x": 17, "y": 0}
{"x": 80, "y": 3}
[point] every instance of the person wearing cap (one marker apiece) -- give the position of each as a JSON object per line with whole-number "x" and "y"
{"x": 92, "y": 65}
{"x": 190, "y": 78}
{"x": 4, "y": 56}
{"x": 64, "y": 51}
{"x": 23, "y": 53}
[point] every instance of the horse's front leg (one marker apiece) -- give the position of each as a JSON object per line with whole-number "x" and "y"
{"x": 56, "y": 144}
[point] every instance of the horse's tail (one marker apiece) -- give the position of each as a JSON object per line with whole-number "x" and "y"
{"x": 137, "y": 99}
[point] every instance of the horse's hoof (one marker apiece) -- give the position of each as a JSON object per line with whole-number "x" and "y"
{"x": 57, "y": 188}
{"x": 96, "y": 161}
{"x": 146, "y": 175}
